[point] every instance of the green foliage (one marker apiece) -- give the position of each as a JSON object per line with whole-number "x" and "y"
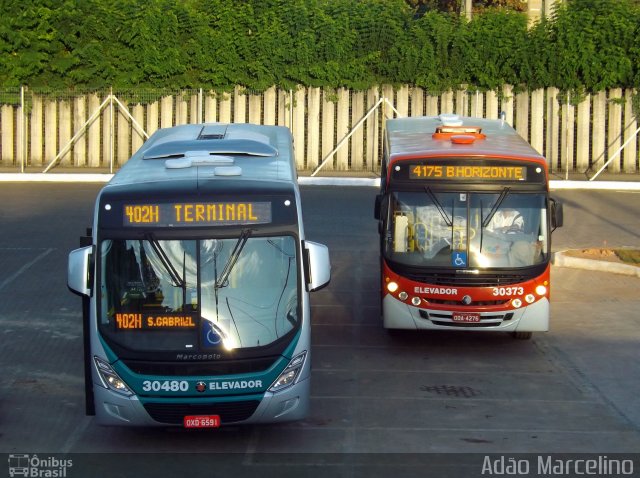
{"x": 594, "y": 39}
{"x": 629, "y": 256}
{"x": 493, "y": 49}
{"x": 589, "y": 45}
{"x": 435, "y": 53}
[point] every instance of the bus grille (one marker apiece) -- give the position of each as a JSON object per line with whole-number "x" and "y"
{"x": 228, "y": 367}
{"x": 470, "y": 280}
{"x": 229, "y": 412}
{"x": 459, "y": 303}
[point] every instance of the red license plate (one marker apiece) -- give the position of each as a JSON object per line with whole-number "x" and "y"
{"x": 465, "y": 317}
{"x": 202, "y": 421}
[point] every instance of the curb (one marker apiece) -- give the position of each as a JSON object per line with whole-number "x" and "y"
{"x": 560, "y": 259}
{"x": 55, "y": 178}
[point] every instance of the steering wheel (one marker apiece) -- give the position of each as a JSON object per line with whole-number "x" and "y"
{"x": 515, "y": 228}
{"x": 513, "y": 223}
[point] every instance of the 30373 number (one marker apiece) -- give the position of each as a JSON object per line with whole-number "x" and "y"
{"x": 507, "y": 291}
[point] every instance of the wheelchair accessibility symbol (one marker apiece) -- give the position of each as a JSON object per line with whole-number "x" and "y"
{"x": 210, "y": 336}
{"x": 459, "y": 259}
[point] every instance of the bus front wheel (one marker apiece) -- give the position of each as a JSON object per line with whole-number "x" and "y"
{"x": 522, "y": 335}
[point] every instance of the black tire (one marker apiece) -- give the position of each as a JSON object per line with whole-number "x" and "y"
{"x": 522, "y": 335}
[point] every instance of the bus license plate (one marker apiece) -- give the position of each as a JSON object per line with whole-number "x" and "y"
{"x": 202, "y": 421}
{"x": 465, "y": 317}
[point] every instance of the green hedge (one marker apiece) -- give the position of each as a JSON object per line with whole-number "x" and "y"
{"x": 589, "y": 45}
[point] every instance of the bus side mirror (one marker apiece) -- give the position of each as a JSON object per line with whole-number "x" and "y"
{"x": 380, "y": 208}
{"x": 317, "y": 265}
{"x": 377, "y": 207}
{"x": 557, "y": 214}
{"x": 79, "y": 271}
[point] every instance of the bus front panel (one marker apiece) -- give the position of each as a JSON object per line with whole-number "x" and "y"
{"x": 201, "y": 312}
{"x": 463, "y": 258}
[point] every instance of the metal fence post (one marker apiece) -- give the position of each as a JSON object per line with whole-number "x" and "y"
{"x": 111, "y": 138}
{"x": 23, "y": 131}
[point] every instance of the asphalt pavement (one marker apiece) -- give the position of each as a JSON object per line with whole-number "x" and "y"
{"x": 381, "y": 404}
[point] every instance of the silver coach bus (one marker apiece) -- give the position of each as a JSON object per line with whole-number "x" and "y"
{"x": 195, "y": 281}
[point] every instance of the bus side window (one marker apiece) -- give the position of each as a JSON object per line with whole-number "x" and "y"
{"x": 132, "y": 286}
{"x": 421, "y": 236}
{"x": 400, "y": 232}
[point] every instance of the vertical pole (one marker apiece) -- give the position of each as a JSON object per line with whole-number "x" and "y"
{"x": 200, "y": 103}
{"x": 631, "y": 124}
{"x": 23, "y": 131}
{"x": 291, "y": 109}
{"x": 536, "y": 131}
{"x": 566, "y": 176}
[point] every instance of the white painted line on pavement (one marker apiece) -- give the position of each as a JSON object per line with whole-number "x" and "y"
{"x": 595, "y": 185}
{"x": 15, "y": 275}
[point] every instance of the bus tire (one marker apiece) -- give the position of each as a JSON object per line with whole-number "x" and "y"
{"x": 396, "y": 334}
{"x": 522, "y": 335}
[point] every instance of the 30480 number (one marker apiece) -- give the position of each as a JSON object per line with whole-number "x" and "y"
{"x": 165, "y": 385}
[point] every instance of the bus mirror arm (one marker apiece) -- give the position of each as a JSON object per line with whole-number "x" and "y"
{"x": 316, "y": 265}
{"x": 557, "y": 213}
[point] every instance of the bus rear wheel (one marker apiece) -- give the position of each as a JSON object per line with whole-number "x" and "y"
{"x": 522, "y": 335}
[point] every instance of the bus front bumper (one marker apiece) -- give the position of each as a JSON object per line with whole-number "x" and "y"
{"x": 113, "y": 409}
{"x": 530, "y": 318}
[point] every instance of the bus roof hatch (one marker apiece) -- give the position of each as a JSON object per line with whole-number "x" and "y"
{"x": 451, "y": 132}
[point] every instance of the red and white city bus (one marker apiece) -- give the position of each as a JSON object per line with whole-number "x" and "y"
{"x": 465, "y": 222}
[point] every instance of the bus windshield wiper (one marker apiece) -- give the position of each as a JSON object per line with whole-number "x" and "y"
{"x": 492, "y": 213}
{"x": 176, "y": 280}
{"x": 441, "y": 210}
{"x": 495, "y": 207}
{"x": 223, "y": 281}
{"x": 481, "y": 226}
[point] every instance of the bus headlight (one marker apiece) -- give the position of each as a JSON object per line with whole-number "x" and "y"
{"x": 290, "y": 374}
{"x": 403, "y": 295}
{"x": 541, "y": 290}
{"x": 110, "y": 378}
{"x": 517, "y": 303}
{"x": 392, "y": 286}
{"x": 530, "y": 298}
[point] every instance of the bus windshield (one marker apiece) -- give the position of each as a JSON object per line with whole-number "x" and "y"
{"x": 190, "y": 295}
{"x": 467, "y": 229}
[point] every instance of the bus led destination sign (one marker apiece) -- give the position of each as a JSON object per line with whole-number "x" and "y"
{"x": 197, "y": 214}
{"x": 137, "y": 321}
{"x": 467, "y": 171}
